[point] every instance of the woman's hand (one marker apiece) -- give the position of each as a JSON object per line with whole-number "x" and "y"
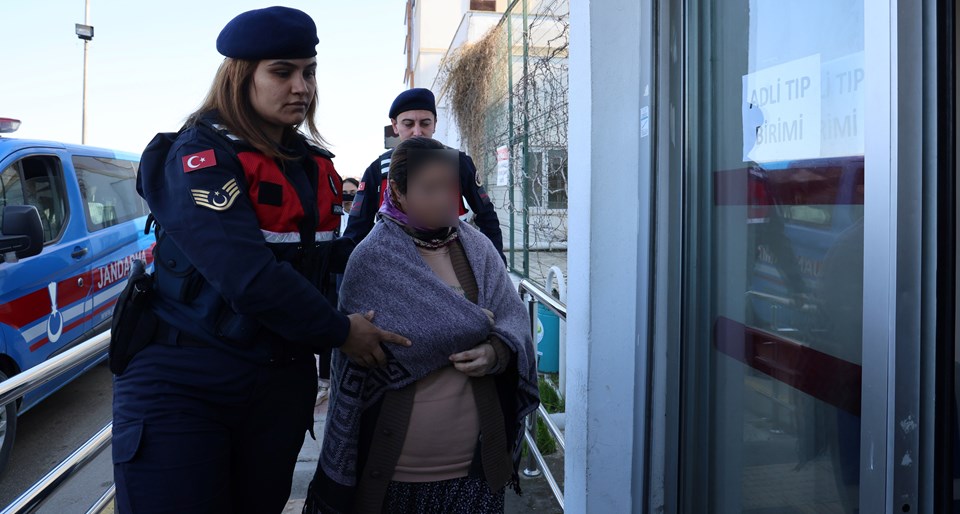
{"x": 476, "y": 362}
{"x": 491, "y": 317}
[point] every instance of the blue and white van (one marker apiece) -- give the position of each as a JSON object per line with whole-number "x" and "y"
{"x": 60, "y": 278}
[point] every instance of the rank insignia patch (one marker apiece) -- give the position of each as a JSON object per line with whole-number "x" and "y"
{"x": 219, "y": 199}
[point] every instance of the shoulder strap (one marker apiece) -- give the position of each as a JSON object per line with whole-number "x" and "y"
{"x": 221, "y": 130}
{"x": 461, "y": 267}
{"x": 384, "y": 160}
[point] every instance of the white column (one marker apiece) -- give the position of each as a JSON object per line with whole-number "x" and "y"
{"x": 609, "y": 228}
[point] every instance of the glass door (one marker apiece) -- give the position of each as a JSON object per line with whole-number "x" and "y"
{"x": 772, "y": 337}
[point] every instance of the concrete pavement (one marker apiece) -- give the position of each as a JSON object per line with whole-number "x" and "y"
{"x": 536, "y": 493}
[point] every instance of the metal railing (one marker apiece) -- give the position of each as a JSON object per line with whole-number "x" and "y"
{"x": 536, "y": 465}
{"x": 23, "y": 383}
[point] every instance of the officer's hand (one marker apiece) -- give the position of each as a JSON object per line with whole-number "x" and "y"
{"x": 475, "y": 362}
{"x": 363, "y": 343}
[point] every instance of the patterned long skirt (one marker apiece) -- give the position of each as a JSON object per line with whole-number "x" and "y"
{"x": 458, "y": 496}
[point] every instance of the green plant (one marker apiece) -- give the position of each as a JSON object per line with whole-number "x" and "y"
{"x": 549, "y": 397}
{"x": 544, "y": 440}
{"x": 552, "y": 403}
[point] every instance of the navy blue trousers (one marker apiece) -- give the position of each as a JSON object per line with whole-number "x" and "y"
{"x": 197, "y": 430}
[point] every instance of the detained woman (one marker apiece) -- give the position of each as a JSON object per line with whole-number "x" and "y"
{"x": 438, "y": 428}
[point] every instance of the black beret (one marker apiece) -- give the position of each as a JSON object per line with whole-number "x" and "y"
{"x": 416, "y": 99}
{"x": 271, "y": 33}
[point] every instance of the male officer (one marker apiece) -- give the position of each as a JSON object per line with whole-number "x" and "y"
{"x": 414, "y": 114}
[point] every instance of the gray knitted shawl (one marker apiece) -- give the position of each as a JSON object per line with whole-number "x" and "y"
{"x": 386, "y": 274}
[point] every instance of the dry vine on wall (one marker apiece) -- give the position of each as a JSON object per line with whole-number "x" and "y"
{"x": 466, "y": 77}
{"x": 509, "y": 90}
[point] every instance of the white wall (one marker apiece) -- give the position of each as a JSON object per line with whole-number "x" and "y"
{"x": 435, "y": 23}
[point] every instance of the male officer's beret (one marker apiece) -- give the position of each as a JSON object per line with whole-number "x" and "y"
{"x": 416, "y": 99}
{"x": 271, "y": 33}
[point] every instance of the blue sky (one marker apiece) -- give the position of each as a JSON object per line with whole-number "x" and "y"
{"x": 152, "y": 62}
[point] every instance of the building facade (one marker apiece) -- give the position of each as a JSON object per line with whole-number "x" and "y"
{"x": 501, "y": 83}
{"x": 762, "y": 298}
{"x": 760, "y": 230}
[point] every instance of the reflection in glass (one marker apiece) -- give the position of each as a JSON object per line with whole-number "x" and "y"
{"x": 774, "y": 298}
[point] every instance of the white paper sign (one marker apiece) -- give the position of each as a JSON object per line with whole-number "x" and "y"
{"x": 842, "y": 112}
{"x": 503, "y": 165}
{"x": 781, "y": 112}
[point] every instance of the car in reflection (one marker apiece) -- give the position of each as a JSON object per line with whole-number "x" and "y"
{"x": 801, "y": 332}
{"x": 800, "y": 214}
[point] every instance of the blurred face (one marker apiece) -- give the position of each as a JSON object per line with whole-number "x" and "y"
{"x": 349, "y": 192}
{"x": 282, "y": 90}
{"x": 414, "y": 124}
{"x": 433, "y": 195}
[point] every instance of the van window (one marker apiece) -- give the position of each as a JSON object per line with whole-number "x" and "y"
{"x": 809, "y": 214}
{"x": 37, "y": 181}
{"x": 109, "y": 191}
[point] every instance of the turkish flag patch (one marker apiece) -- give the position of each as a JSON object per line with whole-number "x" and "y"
{"x": 363, "y": 185}
{"x": 198, "y": 161}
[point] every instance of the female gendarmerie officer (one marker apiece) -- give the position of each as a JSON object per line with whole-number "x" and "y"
{"x": 210, "y": 416}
